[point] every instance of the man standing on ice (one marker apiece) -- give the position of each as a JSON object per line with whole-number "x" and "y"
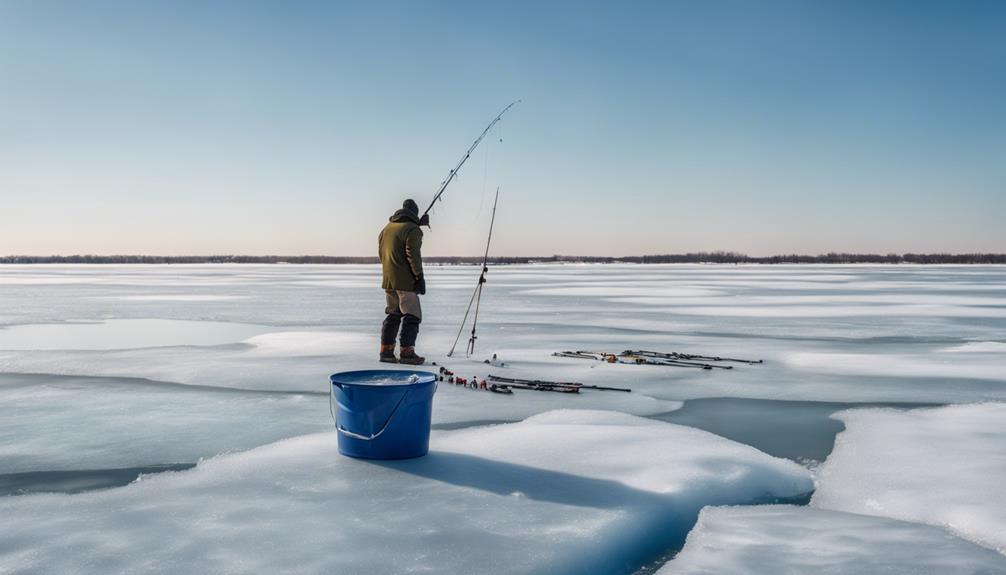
{"x": 399, "y": 246}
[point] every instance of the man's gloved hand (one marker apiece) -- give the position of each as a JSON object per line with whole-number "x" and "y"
{"x": 425, "y": 220}
{"x": 421, "y": 285}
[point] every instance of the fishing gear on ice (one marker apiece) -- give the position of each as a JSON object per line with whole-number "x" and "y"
{"x": 559, "y": 388}
{"x": 671, "y": 359}
{"x": 636, "y": 360}
{"x": 506, "y": 385}
{"x": 541, "y": 383}
{"x": 674, "y": 355}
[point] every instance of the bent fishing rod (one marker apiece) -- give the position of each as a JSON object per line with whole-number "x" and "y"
{"x": 477, "y": 294}
{"x": 424, "y": 219}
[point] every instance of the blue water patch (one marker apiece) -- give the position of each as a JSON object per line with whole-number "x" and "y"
{"x": 799, "y": 430}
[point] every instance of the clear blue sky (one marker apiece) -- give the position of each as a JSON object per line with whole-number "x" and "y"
{"x": 664, "y": 127}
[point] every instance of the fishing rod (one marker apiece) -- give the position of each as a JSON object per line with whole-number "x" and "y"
{"x": 501, "y": 379}
{"x": 537, "y": 386}
{"x": 688, "y": 356}
{"x": 477, "y": 294}
{"x": 637, "y": 360}
{"x": 424, "y": 219}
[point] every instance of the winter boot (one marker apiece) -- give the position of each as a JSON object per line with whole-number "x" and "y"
{"x": 388, "y": 354}
{"x": 409, "y": 356}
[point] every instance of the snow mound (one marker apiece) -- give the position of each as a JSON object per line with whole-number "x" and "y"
{"x": 563, "y": 492}
{"x": 941, "y": 466}
{"x": 566, "y": 440}
{"x": 775, "y": 539}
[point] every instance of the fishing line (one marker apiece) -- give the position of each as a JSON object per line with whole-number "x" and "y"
{"x": 485, "y": 178}
{"x": 454, "y": 173}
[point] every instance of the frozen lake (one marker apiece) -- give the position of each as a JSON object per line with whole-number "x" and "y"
{"x": 113, "y": 372}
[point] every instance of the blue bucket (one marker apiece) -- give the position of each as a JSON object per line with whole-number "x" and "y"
{"x": 383, "y": 414}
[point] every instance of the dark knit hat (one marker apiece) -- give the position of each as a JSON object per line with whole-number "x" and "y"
{"x": 411, "y": 206}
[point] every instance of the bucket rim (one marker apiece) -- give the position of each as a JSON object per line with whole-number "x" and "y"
{"x": 347, "y": 377}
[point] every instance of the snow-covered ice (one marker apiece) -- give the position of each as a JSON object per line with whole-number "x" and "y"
{"x": 984, "y": 363}
{"x": 125, "y": 367}
{"x": 783, "y": 539}
{"x": 124, "y": 334}
{"x": 83, "y": 423}
{"x": 942, "y": 466}
{"x": 312, "y": 320}
{"x": 562, "y": 492}
{"x": 979, "y": 347}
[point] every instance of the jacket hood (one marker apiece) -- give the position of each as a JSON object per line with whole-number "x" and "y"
{"x": 404, "y": 215}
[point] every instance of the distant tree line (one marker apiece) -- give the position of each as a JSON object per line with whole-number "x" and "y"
{"x": 698, "y": 257}
{"x": 232, "y": 259}
{"x": 829, "y": 258}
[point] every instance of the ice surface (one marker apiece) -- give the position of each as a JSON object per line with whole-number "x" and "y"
{"x": 246, "y": 368}
{"x": 177, "y": 297}
{"x": 609, "y": 291}
{"x": 162, "y": 395}
{"x": 943, "y": 466}
{"x": 563, "y": 492}
{"x": 982, "y": 364}
{"x": 72, "y": 423}
{"x": 836, "y": 311}
{"x": 123, "y": 334}
{"x": 50, "y": 423}
{"x": 304, "y": 344}
{"x": 979, "y": 347}
{"x": 323, "y": 319}
{"x": 783, "y": 539}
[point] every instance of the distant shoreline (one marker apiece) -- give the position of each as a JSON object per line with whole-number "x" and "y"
{"x": 697, "y": 258}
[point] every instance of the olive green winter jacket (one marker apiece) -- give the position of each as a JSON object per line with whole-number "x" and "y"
{"x": 400, "y": 245}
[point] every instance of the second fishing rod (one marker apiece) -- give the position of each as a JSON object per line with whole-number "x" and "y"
{"x": 477, "y": 294}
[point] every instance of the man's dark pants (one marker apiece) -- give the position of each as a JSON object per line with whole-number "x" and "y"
{"x": 403, "y": 310}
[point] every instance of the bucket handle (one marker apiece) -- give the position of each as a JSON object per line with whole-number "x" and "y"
{"x": 348, "y": 433}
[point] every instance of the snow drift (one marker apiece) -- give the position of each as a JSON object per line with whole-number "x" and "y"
{"x": 562, "y": 492}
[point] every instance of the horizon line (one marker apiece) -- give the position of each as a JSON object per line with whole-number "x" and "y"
{"x": 690, "y": 257}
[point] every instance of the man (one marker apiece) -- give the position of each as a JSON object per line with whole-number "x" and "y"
{"x": 399, "y": 246}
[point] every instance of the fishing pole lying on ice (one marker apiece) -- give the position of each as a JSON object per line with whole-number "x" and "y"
{"x": 635, "y": 359}
{"x": 675, "y": 355}
{"x": 560, "y": 384}
{"x": 506, "y": 385}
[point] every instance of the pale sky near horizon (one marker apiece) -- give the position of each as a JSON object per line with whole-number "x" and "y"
{"x": 292, "y": 128}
